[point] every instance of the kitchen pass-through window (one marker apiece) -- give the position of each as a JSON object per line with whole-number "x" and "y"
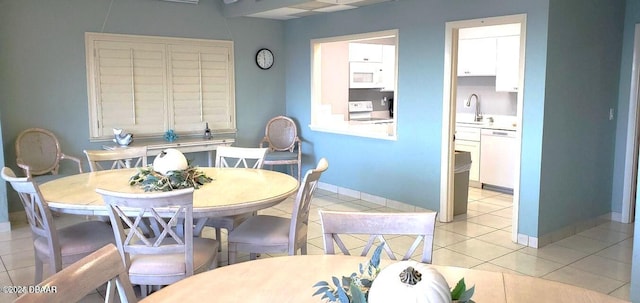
{"x": 353, "y": 85}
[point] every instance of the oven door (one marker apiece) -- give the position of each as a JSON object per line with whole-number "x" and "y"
{"x": 365, "y": 75}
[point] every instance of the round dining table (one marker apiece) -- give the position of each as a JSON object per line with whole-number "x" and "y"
{"x": 232, "y": 191}
{"x": 291, "y": 279}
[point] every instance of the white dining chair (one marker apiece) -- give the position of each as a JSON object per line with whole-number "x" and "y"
{"x": 230, "y": 156}
{"x": 117, "y": 159}
{"x": 134, "y": 156}
{"x": 52, "y": 246}
{"x": 273, "y": 234}
{"x": 285, "y": 147}
{"x": 244, "y": 157}
{"x": 75, "y": 282}
{"x": 377, "y": 225}
{"x": 169, "y": 256}
{"x": 38, "y": 153}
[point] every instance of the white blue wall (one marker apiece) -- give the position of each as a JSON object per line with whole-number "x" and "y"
{"x": 570, "y": 82}
{"x": 42, "y": 63}
{"x": 583, "y": 60}
{"x": 4, "y": 206}
{"x": 408, "y": 170}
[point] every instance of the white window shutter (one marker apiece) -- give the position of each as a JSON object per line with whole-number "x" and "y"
{"x": 200, "y": 87}
{"x": 131, "y": 80}
{"x": 148, "y": 85}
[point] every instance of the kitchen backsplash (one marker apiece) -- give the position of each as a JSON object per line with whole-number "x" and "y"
{"x": 370, "y": 94}
{"x": 491, "y": 102}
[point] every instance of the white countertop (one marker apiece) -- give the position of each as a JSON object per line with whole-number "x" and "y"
{"x": 499, "y": 122}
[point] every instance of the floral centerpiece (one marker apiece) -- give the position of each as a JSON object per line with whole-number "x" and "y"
{"x": 170, "y": 171}
{"x": 406, "y": 285}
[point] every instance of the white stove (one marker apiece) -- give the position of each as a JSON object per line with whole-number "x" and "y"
{"x": 361, "y": 112}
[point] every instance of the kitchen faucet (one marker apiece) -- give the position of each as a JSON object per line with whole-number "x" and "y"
{"x": 478, "y": 116}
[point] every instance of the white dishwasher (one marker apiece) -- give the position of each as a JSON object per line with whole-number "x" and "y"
{"x": 497, "y": 157}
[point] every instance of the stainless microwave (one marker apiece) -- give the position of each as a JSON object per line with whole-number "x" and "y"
{"x": 365, "y": 75}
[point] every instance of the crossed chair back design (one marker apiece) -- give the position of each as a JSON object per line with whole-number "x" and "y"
{"x": 38, "y": 152}
{"x": 52, "y": 246}
{"x": 285, "y": 147}
{"x": 78, "y": 280}
{"x": 164, "y": 258}
{"x": 246, "y": 157}
{"x": 117, "y": 158}
{"x": 228, "y": 156}
{"x": 272, "y": 234}
{"x": 419, "y": 224}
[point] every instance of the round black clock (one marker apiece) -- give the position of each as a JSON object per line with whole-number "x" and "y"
{"x": 264, "y": 58}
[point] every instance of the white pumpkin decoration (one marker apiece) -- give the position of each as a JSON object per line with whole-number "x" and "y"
{"x": 168, "y": 160}
{"x": 428, "y": 285}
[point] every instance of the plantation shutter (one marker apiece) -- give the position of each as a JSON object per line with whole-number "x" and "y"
{"x": 131, "y": 81}
{"x": 148, "y": 85}
{"x": 200, "y": 87}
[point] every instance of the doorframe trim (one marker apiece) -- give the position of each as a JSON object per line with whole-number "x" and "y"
{"x": 449, "y": 112}
{"x": 631, "y": 165}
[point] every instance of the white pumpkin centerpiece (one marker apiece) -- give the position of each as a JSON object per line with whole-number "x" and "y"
{"x": 168, "y": 160}
{"x": 409, "y": 281}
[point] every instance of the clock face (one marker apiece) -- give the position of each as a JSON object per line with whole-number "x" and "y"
{"x": 264, "y": 58}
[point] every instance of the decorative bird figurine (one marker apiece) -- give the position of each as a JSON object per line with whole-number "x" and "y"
{"x": 122, "y": 138}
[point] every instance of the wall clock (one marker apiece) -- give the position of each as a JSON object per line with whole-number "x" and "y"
{"x": 264, "y": 58}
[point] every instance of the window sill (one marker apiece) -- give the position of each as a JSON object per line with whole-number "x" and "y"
{"x": 375, "y": 131}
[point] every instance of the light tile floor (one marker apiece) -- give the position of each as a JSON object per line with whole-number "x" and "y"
{"x": 598, "y": 258}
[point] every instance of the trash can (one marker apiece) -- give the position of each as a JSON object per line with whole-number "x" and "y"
{"x": 461, "y": 182}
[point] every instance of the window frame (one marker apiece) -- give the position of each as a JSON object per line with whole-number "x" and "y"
{"x": 323, "y": 125}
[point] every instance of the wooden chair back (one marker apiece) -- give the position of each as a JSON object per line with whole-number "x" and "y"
{"x": 281, "y": 134}
{"x": 131, "y": 209}
{"x": 38, "y": 152}
{"x": 117, "y": 158}
{"x": 285, "y": 147}
{"x": 78, "y": 280}
{"x": 38, "y": 215}
{"x": 246, "y": 157}
{"x": 419, "y": 224}
{"x": 300, "y": 214}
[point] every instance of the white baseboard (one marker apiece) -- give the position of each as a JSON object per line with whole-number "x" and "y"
{"x": 616, "y": 217}
{"x": 382, "y": 201}
{"x": 5, "y": 226}
{"x": 563, "y": 233}
{"x": 530, "y": 241}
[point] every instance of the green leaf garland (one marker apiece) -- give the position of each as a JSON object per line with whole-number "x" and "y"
{"x": 151, "y": 180}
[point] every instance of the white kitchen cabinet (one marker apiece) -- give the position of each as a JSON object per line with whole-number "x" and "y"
{"x": 477, "y": 57}
{"x": 507, "y": 63}
{"x": 498, "y": 157}
{"x": 388, "y": 67}
{"x": 363, "y": 52}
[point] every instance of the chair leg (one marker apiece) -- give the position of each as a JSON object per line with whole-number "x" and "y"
{"x": 253, "y": 256}
{"x": 233, "y": 252}
{"x": 110, "y": 294}
{"x": 219, "y": 239}
{"x": 303, "y": 249}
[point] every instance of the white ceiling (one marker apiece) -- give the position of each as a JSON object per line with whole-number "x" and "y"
{"x": 312, "y": 8}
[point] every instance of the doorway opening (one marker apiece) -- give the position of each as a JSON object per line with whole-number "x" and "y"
{"x": 456, "y": 65}
{"x": 629, "y": 191}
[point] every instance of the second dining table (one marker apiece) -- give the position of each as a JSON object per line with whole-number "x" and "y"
{"x": 232, "y": 191}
